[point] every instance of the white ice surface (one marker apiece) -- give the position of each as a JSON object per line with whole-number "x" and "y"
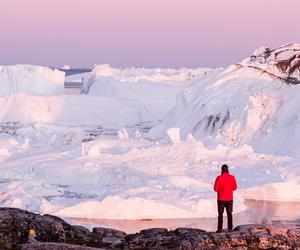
{"x": 238, "y": 106}
{"x": 71, "y": 110}
{"x": 133, "y": 178}
{"x": 88, "y": 156}
{"x": 156, "y": 88}
{"x": 35, "y": 80}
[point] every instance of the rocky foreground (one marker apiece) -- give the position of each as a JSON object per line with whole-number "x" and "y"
{"x": 47, "y": 232}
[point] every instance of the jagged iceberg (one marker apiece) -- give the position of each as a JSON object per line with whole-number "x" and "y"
{"x": 252, "y": 102}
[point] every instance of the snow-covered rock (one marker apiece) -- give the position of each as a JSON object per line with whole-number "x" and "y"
{"x": 34, "y": 80}
{"x": 283, "y": 62}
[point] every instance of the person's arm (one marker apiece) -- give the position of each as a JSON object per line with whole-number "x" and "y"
{"x": 234, "y": 184}
{"x": 216, "y": 186}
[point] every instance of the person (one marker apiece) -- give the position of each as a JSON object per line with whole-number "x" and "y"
{"x": 31, "y": 235}
{"x": 225, "y": 184}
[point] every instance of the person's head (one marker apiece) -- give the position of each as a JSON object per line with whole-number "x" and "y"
{"x": 224, "y": 168}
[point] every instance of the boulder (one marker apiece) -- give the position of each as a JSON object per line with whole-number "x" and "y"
{"x": 15, "y": 225}
{"x": 53, "y": 246}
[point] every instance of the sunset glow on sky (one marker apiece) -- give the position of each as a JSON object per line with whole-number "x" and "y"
{"x": 150, "y": 33}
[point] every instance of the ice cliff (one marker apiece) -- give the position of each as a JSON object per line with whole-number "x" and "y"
{"x": 29, "y": 79}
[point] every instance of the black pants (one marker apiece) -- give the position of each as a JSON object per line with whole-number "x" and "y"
{"x": 228, "y": 205}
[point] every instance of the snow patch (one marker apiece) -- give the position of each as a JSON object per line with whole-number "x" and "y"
{"x": 174, "y": 135}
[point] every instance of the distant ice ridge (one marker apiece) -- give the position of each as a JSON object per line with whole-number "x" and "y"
{"x": 242, "y": 105}
{"x": 29, "y": 79}
{"x": 156, "y": 89}
{"x": 105, "y": 74}
{"x": 150, "y": 74}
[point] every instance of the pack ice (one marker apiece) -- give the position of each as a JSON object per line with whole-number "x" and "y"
{"x": 93, "y": 156}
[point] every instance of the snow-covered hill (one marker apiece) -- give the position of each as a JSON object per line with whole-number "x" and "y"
{"x": 34, "y": 80}
{"x": 252, "y": 102}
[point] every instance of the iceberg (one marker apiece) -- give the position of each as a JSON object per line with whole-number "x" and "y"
{"x": 29, "y": 79}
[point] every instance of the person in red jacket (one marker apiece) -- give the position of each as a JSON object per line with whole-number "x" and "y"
{"x": 225, "y": 184}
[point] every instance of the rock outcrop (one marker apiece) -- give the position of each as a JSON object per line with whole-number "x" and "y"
{"x": 53, "y": 246}
{"x": 15, "y": 225}
{"x": 282, "y": 63}
{"x": 51, "y": 232}
{"x": 242, "y": 237}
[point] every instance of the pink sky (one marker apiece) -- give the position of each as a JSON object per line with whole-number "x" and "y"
{"x": 166, "y": 33}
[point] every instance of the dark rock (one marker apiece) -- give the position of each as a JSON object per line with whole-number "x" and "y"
{"x": 153, "y": 232}
{"x": 54, "y": 246}
{"x": 243, "y": 237}
{"x": 103, "y": 232}
{"x": 52, "y": 232}
{"x": 247, "y": 228}
{"x": 112, "y": 241}
{"x": 153, "y": 238}
{"x": 293, "y": 237}
{"x": 187, "y": 231}
{"x": 16, "y": 223}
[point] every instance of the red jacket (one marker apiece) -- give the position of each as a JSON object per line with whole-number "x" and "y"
{"x": 225, "y": 184}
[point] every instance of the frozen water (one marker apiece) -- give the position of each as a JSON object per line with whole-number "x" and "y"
{"x": 93, "y": 156}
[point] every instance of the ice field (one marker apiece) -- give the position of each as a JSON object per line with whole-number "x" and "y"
{"x": 148, "y": 143}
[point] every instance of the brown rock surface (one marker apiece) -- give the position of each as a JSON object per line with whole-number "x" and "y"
{"x": 15, "y": 225}
{"x": 243, "y": 237}
{"x": 53, "y": 233}
{"x": 53, "y": 246}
